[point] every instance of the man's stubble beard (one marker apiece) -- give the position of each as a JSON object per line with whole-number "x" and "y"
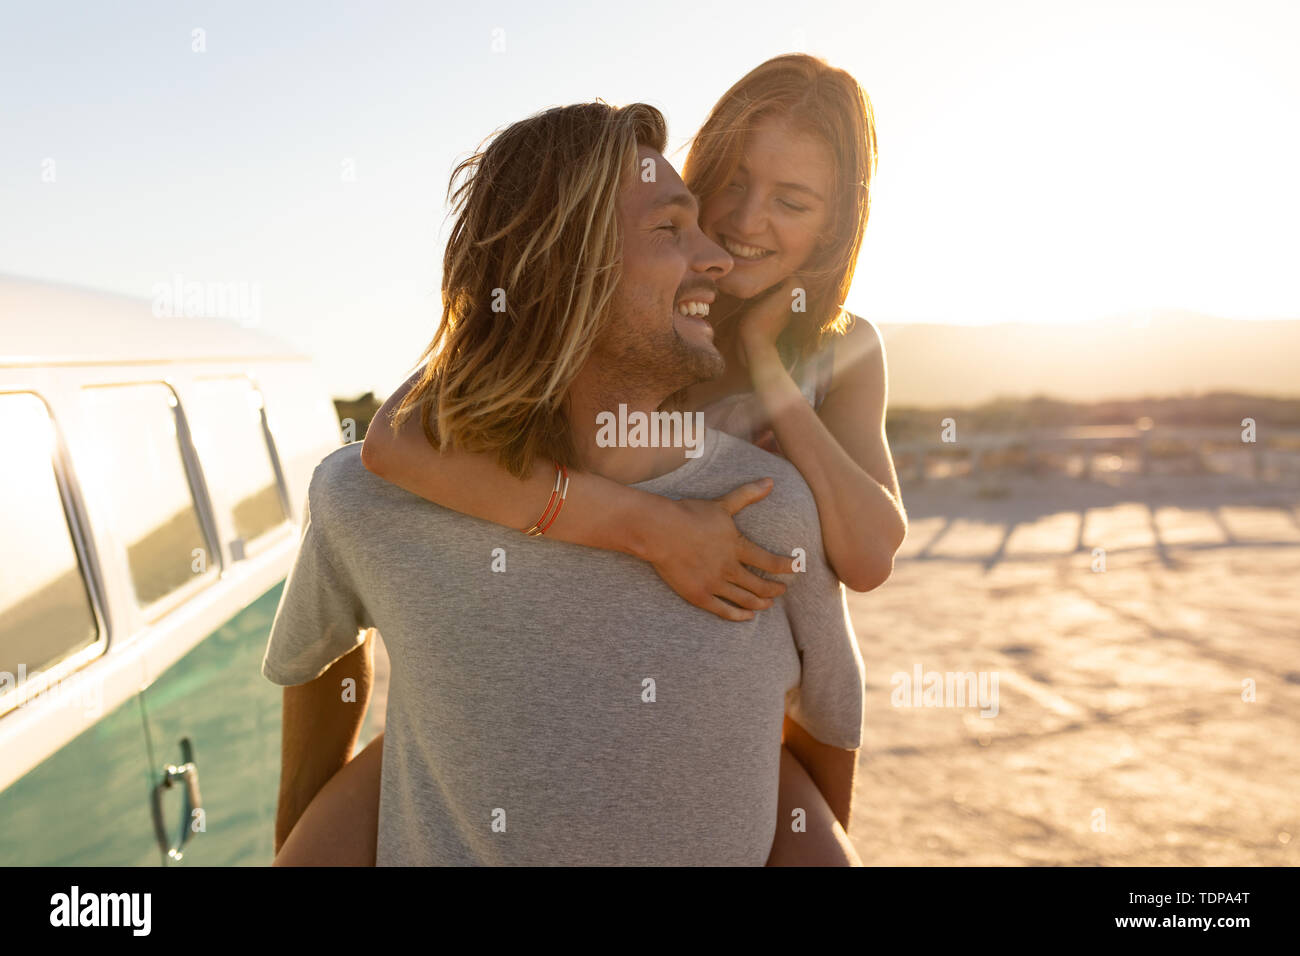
{"x": 640, "y": 360}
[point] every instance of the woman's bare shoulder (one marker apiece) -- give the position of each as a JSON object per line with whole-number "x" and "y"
{"x": 859, "y": 351}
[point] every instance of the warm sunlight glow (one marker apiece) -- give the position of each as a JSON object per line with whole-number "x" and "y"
{"x": 1119, "y": 163}
{"x": 1040, "y": 160}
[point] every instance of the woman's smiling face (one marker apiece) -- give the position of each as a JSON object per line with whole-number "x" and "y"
{"x": 770, "y": 215}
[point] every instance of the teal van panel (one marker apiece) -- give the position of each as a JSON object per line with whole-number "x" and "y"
{"x": 216, "y": 698}
{"x": 88, "y": 804}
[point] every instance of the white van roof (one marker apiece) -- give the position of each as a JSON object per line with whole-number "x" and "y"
{"x": 50, "y": 323}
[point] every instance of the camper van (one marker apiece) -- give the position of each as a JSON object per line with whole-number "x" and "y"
{"x": 153, "y": 476}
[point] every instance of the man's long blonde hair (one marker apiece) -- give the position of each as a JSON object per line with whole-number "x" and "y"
{"x": 528, "y": 279}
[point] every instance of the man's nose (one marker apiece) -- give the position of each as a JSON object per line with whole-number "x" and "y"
{"x": 710, "y": 258}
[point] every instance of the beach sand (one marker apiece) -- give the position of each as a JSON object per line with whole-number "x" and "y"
{"x": 1121, "y": 735}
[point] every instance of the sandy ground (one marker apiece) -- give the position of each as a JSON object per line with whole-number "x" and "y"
{"x": 1121, "y": 735}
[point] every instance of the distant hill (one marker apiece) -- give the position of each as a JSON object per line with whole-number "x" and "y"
{"x": 1278, "y": 417}
{"x": 1161, "y": 353}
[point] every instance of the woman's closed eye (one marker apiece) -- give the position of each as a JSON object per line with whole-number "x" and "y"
{"x": 792, "y": 206}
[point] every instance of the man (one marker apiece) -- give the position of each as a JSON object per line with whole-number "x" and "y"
{"x": 551, "y": 703}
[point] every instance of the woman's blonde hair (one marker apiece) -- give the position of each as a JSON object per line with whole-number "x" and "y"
{"x": 528, "y": 277}
{"x": 829, "y": 104}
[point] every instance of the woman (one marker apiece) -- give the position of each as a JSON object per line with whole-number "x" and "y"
{"x": 782, "y": 168}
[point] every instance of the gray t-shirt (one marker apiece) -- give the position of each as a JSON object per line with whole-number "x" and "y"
{"x": 556, "y": 704}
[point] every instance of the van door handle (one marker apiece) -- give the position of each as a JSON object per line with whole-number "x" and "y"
{"x": 172, "y": 776}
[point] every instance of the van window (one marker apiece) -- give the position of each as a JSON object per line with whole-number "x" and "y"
{"x": 225, "y": 419}
{"x": 45, "y": 609}
{"x": 137, "y": 465}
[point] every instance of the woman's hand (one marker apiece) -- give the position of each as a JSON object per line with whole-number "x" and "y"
{"x": 766, "y": 318}
{"x": 695, "y": 547}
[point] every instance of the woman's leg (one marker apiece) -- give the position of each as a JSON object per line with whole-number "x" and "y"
{"x": 823, "y": 841}
{"x": 340, "y": 827}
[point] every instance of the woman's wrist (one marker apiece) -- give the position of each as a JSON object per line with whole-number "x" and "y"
{"x": 766, "y": 369}
{"x": 605, "y": 514}
{"x": 642, "y": 530}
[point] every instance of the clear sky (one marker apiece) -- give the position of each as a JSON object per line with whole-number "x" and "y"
{"x": 1039, "y": 160}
